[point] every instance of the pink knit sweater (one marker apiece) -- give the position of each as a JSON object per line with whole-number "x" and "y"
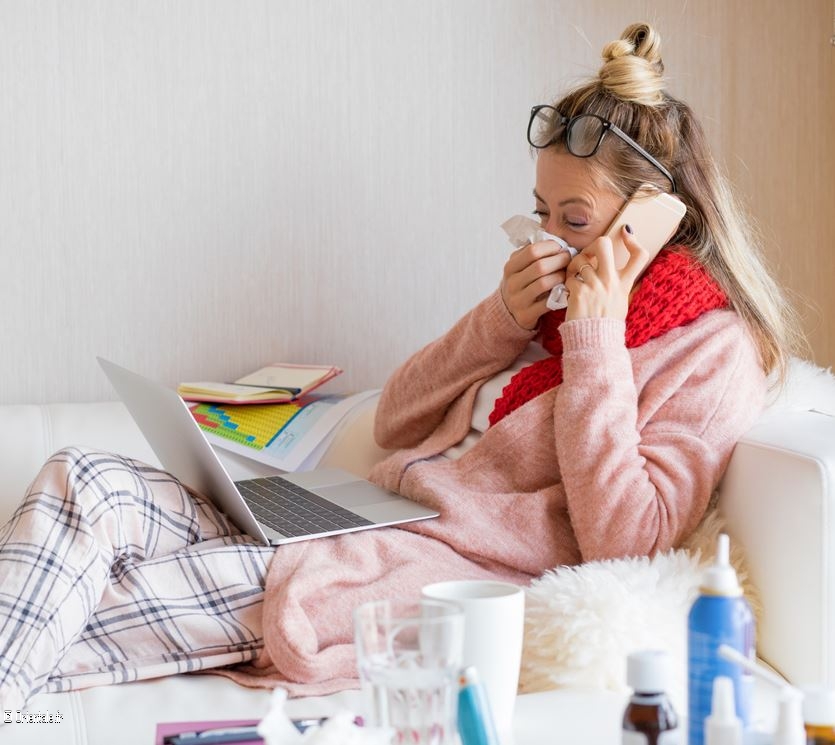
{"x": 620, "y": 459}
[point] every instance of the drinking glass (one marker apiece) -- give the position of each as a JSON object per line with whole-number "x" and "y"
{"x": 409, "y": 657}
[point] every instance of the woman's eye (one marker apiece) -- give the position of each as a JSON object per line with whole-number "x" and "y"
{"x": 570, "y": 222}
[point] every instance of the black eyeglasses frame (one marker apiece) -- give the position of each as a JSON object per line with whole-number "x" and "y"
{"x": 606, "y": 126}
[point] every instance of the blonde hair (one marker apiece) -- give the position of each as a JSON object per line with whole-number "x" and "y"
{"x": 630, "y": 92}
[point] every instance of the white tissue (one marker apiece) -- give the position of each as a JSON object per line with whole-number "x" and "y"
{"x": 523, "y": 230}
{"x": 339, "y": 729}
{"x": 276, "y": 728}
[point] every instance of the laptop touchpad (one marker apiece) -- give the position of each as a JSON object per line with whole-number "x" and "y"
{"x": 355, "y": 494}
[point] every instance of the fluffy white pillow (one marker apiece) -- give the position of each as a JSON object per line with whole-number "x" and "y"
{"x": 581, "y": 622}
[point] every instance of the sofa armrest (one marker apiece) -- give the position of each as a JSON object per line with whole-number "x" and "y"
{"x": 777, "y": 498}
{"x": 31, "y": 433}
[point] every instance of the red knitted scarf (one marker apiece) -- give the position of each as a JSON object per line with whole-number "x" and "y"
{"x": 674, "y": 291}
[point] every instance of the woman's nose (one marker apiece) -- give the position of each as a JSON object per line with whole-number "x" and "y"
{"x": 551, "y": 227}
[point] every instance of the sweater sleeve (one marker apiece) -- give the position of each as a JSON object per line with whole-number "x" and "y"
{"x": 639, "y": 465}
{"x": 418, "y": 394}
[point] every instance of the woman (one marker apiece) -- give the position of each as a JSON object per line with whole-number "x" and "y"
{"x": 543, "y": 438}
{"x": 625, "y": 423}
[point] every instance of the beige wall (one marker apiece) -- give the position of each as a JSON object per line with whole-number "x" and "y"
{"x": 196, "y": 188}
{"x": 780, "y": 148}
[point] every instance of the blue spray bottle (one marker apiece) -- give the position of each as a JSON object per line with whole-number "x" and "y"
{"x": 720, "y": 615}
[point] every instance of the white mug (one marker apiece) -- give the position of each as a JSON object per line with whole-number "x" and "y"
{"x": 494, "y": 621}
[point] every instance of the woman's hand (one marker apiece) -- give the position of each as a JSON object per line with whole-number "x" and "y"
{"x": 530, "y": 274}
{"x": 596, "y": 288}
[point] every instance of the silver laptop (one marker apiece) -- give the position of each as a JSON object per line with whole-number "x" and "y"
{"x": 274, "y": 509}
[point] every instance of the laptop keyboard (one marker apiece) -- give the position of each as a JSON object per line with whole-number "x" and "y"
{"x": 293, "y": 510}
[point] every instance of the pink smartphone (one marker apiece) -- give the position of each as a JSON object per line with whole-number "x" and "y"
{"x": 653, "y": 218}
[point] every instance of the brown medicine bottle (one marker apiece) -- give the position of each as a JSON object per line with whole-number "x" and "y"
{"x": 649, "y": 718}
{"x": 819, "y": 715}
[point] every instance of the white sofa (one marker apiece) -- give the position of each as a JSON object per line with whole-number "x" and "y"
{"x": 778, "y": 497}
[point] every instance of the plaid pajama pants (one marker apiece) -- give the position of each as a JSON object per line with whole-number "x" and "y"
{"x": 112, "y": 571}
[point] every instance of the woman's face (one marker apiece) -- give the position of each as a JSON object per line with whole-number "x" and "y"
{"x": 569, "y": 203}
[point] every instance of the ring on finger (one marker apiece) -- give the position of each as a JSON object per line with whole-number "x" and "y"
{"x": 579, "y": 273}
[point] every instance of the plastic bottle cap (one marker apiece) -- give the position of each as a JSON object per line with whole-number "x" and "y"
{"x": 648, "y": 671}
{"x": 723, "y": 726}
{"x": 819, "y": 706}
{"x": 720, "y": 578}
{"x": 790, "y": 729}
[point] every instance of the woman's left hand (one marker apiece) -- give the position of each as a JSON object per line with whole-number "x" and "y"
{"x": 596, "y": 289}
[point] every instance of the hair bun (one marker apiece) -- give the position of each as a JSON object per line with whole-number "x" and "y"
{"x": 632, "y": 67}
